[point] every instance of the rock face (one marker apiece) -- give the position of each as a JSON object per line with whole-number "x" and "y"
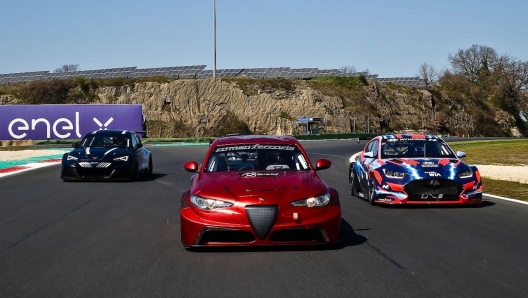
{"x": 198, "y": 107}
{"x": 202, "y": 103}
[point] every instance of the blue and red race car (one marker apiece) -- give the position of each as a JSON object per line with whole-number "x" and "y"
{"x": 413, "y": 169}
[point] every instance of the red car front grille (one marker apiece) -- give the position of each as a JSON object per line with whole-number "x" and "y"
{"x": 262, "y": 219}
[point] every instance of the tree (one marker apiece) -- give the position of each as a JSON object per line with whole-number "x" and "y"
{"x": 68, "y": 68}
{"x": 428, "y": 75}
{"x": 348, "y": 70}
{"x": 488, "y": 79}
{"x": 475, "y": 63}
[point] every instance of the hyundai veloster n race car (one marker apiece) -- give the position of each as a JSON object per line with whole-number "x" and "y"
{"x": 258, "y": 190}
{"x": 107, "y": 154}
{"x": 413, "y": 169}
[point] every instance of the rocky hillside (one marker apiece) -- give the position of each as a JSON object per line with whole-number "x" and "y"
{"x": 205, "y": 107}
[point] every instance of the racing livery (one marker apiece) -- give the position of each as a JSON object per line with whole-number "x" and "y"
{"x": 107, "y": 154}
{"x": 258, "y": 190}
{"x": 413, "y": 169}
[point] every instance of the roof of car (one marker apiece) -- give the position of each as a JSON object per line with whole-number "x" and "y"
{"x": 111, "y": 132}
{"x": 409, "y": 136}
{"x": 255, "y": 139}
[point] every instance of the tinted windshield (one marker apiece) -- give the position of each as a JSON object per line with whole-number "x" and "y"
{"x": 105, "y": 141}
{"x": 257, "y": 158}
{"x": 415, "y": 148}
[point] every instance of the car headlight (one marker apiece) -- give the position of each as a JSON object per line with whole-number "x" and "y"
{"x": 393, "y": 174}
{"x": 122, "y": 158}
{"x": 71, "y": 158}
{"x": 209, "y": 204}
{"x": 318, "y": 201}
{"x": 465, "y": 174}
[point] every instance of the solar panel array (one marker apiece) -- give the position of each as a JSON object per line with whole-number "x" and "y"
{"x": 198, "y": 71}
{"x": 407, "y": 81}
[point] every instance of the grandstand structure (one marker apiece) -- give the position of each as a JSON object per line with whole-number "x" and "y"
{"x": 199, "y": 71}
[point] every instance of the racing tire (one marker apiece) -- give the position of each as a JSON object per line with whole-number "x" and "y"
{"x": 353, "y": 182}
{"x": 134, "y": 173}
{"x": 371, "y": 193}
{"x": 150, "y": 168}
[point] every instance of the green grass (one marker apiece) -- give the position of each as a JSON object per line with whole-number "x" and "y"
{"x": 509, "y": 189}
{"x": 498, "y": 152}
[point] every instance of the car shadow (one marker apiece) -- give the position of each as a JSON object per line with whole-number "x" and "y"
{"x": 152, "y": 177}
{"x": 484, "y": 204}
{"x": 348, "y": 238}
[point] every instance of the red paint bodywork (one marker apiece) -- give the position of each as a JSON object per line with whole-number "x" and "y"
{"x": 301, "y": 224}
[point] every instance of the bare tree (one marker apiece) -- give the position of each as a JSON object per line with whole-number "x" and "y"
{"x": 348, "y": 70}
{"x": 475, "y": 63}
{"x": 67, "y": 68}
{"x": 428, "y": 75}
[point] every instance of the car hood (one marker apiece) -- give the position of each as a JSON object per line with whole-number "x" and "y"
{"x": 259, "y": 187}
{"x": 97, "y": 153}
{"x": 427, "y": 167}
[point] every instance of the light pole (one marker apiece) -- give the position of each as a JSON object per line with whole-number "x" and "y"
{"x": 214, "y": 39}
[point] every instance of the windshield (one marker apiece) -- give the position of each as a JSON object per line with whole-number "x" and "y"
{"x": 257, "y": 158}
{"x": 415, "y": 148}
{"x": 105, "y": 141}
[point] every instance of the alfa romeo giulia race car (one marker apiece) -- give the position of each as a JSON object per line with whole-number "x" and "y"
{"x": 413, "y": 169}
{"x": 258, "y": 190}
{"x": 107, "y": 154}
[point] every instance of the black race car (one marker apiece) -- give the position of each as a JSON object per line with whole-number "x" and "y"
{"x": 107, "y": 154}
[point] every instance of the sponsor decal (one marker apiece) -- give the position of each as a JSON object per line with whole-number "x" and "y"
{"x": 429, "y": 164}
{"x": 426, "y": 196}
{"x": 259, "y": 174}
{"x": 253, "y": 147}
{"x": 433, "y": 174}
{"x": 385, "y": 186}
{"x": 41, "y": 122}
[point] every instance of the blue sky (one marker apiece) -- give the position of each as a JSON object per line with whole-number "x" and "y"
{"x": 389, "y": 38}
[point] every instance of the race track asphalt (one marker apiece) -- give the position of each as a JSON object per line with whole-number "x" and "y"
{"x": 121, "y": 239}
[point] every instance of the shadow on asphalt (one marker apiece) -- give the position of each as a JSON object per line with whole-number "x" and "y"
{"x": 152, "y": 177}
{"x": 484, "y": 204}
{"x": 348, "y": 238}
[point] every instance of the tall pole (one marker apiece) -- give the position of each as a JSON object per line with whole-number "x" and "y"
{"x": 214, "y": 39}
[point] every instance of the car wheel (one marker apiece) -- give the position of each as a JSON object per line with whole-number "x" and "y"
{"x": 371, "y": 193}
{"x": 134, "y": 172}
{"x": 150, "y": 168}
{"x": 352, "y": 181}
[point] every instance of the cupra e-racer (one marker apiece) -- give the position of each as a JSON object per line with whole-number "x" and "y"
{"x": 258, "y": 190}
{"x": 107, "y": 154}
{"x": 413, "y": 169}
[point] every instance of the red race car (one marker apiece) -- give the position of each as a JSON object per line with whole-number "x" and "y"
{"x": 258, "y": 190}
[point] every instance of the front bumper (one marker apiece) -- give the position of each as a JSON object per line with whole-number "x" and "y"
{"x": 424, "y": 191}
{"x": 96, "y": 171}
{"x": 309, "y": 228}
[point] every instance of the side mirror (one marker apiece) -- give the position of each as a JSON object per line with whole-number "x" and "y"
{"x": 75, "y": 144}
{"x": 369, "y": 154}
{"x": 322, "y": 164}
{"x": 139, "y": 146}
{"x": 461, "y": 154}
{"x": 191, "y": 166}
